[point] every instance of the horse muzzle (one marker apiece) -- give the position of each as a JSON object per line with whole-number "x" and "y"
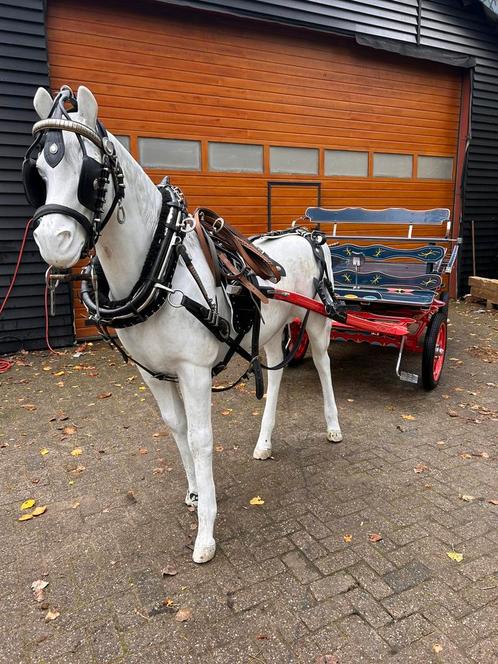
{"x": 60, "y": 241}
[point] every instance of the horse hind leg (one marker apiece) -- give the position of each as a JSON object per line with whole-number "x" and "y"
{"x": 319, "y": 334}
{"x": 274, "y": 355}
{"x": 173, "y": 413}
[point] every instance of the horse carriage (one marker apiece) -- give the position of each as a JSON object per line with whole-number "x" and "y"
{"x": 397, "y": 282}
{"x": 186, "y": 292}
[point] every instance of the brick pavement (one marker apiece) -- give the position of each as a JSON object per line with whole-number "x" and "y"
{"x": 285, "y": 586}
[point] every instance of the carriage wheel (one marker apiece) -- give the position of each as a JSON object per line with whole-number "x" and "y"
{"x": 292, "y": 331}
{"x": 434, "y": 350}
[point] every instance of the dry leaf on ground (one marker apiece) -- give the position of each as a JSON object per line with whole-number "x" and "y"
{"x": 143, "y": 450}
{"x": 421, "y": 468}
{"x": 39, "y": 510}
{"x": 454, "y": 555}
{"x": 105, "y": 395}
{"x": 25, "y": 517}
{"x": 466, "y": 498}
{"x": 77, "y": 452}
{"x": 38, "y": 587}
{"x": 51, "y": 614}
{"x": 43, "y": 451}
{"x": 28, "y": 504}
{"x": 437, "y": 647}
{"x": 347, "y": 538}
{"x": 257, "y": 500}
{"x": 183, "y": 615}
{"x": 69, "y": 430}
{"x": 408, "y": 417}
{"x": 169, "y": 570}
{"x": 375, "y": 537}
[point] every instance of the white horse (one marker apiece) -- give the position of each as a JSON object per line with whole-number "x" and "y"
{"x": 172, "y": 340}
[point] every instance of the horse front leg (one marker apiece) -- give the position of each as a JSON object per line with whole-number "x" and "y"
{"x": 274, "y": 355}
{"x": 319, "y": 334}
{"x": 173, "y": 414}
{"x": 195, "y": 386}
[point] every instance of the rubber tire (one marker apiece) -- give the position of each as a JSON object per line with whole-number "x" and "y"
{"x": 428, "y": 381}
{"x": 299, "y": 356}
{"x": 445, "y": 297}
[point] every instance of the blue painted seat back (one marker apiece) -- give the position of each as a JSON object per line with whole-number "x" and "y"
{"x": 390, "y": 216}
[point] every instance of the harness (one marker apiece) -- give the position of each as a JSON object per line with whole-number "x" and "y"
{"x": 234, "y": 260}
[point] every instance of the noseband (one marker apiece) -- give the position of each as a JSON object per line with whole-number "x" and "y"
{"x": 94, "y": 176}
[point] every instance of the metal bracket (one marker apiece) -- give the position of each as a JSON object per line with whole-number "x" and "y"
{"x": 405, "y": 376}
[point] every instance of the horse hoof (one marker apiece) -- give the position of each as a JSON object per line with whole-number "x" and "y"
{"x": 334, "y": 435}
{"x": 203, "y": 553}
{"x": 191, "y": 499}
{"x": 261, "y": 453}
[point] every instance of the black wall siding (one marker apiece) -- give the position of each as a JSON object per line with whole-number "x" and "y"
{"x": 466, "y": 29}
{"x": 23, "y": 58}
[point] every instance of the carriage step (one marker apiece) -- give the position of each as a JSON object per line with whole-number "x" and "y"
{"x": 408, "y": 377}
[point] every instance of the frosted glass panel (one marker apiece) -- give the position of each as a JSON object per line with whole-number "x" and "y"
{"x": 303, "y": 161}
{"x": 437, "y": 168}
{"x": 393, "y": 165}
{"x": 235, "y": 157}
{"x": 124, "y": 140}
{"x": 169, "y": 153}
{"x": 346, "y": 162}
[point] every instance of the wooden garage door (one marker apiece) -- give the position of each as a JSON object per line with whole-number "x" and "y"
{"x": 375, "y": 130}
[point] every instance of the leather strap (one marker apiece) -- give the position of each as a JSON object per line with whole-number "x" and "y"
{"x": 242, "y": 279}
{"x": 208, "y": 248}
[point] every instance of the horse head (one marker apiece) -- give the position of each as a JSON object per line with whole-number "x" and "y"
{"x": 66, "y": 173}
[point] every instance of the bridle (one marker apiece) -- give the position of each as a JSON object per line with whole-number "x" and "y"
{"x": 94, "y": 177}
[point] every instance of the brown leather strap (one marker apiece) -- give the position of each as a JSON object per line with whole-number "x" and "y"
{"x": 208, "y": 248}
{"x": 232, "y": 240}
{"x": 242, "y": 279}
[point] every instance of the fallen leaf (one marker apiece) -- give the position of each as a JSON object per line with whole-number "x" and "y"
{"x": 44, "y": 451}
{"x": 437, "y": 647}
{"x": 51, "y": 614}
{"x": 493, "y": 502}
{"x": 421, "y": 468}
{"x": 77, "y": 452}
{"x": 347, "y": 538}
{"x": 69, "y": 430}
{"x": 226, "y": 412}
{"x": 104, "y": 395}
{"x": 458, "y": 557}
{"x": 327, "y": 659}
{"x": 408, "y": 417}
{"x": 219, "y": 448}
{"x": 158, "y": 471}
{"x": 38, "y": 585}
{"x": 465, "y": 455}
{"x": 28, "y": 504}
{"x": 29, "y": 406}
{"x": 182, "y": 615}
{"x": 262, "y": 637}
{"x": 131, "y": 496}
{"x": 39, "y": 510}
{"x": 169, "y": 570}
{"x": 375, "y": 537}
{"x": 59, "y": 373}
{"x": 25, "y": 517}
{"x": 167, "y": 601}
{"x": 75, "y": 505}
{"x": 143, "y": 450}
{"x": 452, "y": 413}
{"x": 257, "y": 500}
{"x": 466, "y": 498}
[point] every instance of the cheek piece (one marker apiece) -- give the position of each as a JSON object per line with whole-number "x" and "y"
{"x": 94, "y": 177}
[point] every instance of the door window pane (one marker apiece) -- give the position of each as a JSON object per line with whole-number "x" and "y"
{"x": 302, "y": 161}
{"x": 235, "y": 157}
{"x": 437, "y": 168}
{"x": 393, "y": 165}
{"x": 346, "y": 162}
{"x": 170, "y": 153}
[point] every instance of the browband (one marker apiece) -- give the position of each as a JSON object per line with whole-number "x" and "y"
{"x": 69, "y": 125}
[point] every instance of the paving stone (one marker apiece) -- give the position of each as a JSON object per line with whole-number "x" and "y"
{"x": 406, "y": 577}
{"x": 482, "y": 567}
{"x": 314, "y": 526}
{"x": 301, "y": 567}
{"x": 485, "y": 652}
{"x": 363, "y": 642}
{"x": 309, "y": 546}
{"x": 247, "y": 597}
{"x": 332, "y": 585}
{"x": 368, "y": 608}
{"x": 370, "y": 581}
{"x": 335, "y": 562}
{"x": 328, "y": 611}
{"x": 403, "y": 632}
{"x": 483, "y": 621}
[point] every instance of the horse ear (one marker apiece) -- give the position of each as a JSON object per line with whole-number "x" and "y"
{"x": 43, "y": 102}
{"x": 87, "y": 106}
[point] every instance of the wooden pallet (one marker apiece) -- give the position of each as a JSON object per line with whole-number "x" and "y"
{"x": 484, "y": 289}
